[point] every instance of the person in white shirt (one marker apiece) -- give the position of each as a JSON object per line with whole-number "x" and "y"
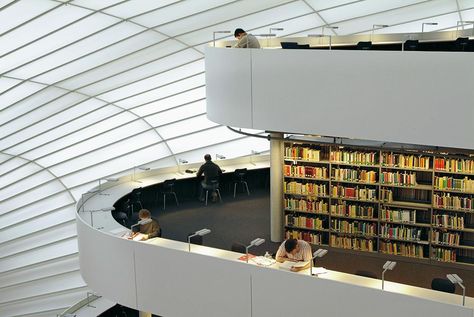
{"x": 295, "y": 251}
{"x": 245, "y": 40}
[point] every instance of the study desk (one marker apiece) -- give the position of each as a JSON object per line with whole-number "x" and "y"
{"x": 162, "y": 277}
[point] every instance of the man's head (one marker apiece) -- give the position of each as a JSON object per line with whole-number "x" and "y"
{"x": 238, "y": 33}
{"x": 291, "y": 246}
{"x": 144, "y": 214}
{"x": 207, "y": 157}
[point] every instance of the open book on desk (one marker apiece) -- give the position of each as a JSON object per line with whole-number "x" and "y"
{"x": 287, "y": 265}
{"x": 135, "y": 236}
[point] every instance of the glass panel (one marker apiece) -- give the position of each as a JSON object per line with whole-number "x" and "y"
{"x": 185, "y": 126}
{"x": 116, "y": 165}
{"x": 251, "y": 22}
{"x": 28, "y": 121}
{"x": 132, "y": 8}
{"x": 41, "y": 26}
{"x": 155, "y": 81}
{"x": 57, "y": 40}
{"x": 235, "y": 148}
{"x": 444, "y": 22}
{"x": 96, "y": 5}
{"x": 80, "y": 129}
{"x": 22, "y": 11}
{"x": 467, "y": 15}
{"x": 174, "y": 101}
{"x": 465, "y": 4}
{"x": 411, "y": 13}
{"x": 103, "y": 139}
{"x": 291, "y": 26}
{"x": 231, "y": 11}
{"x": 24, "y": 200}
{"x": 103, "y": 154}
{"x": 91, "y": 44}
{"x": 201, "y": 139}
{"x": 24, "y": 90}
{"x": 25, "y": 183}
{"x": 177, "y": 114}
{"x": 161, "y": 92}
{"x": 35, "y": 209}
{"x": 102, "y": 56}
{"x": 177, "y": 11}
{"x": 150, "y": 69}
{"x": 324, "y": 4}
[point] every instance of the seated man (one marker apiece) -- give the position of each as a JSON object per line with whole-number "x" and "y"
{"x": 295, "y": 251}
{"x": 210, "y": 171}
{"x": 245, "y": 40}
{"x": 148, "y": 227}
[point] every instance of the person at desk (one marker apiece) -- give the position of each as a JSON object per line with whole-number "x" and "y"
{"x": 245, "y": 40}
{"x": 149, "y": 227}
{"x": 295, "y": 251}
{"x": 211, "y": 171}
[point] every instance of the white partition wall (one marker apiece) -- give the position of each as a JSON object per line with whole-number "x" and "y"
{"x": 393, "y": 96}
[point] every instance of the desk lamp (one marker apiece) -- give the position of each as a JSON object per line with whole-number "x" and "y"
{"x": 254, "y": 242}
{"x": 427, "y": 23}
{"x": 201, "y": 233}
{"x": 142, "y": 168}
{"x": 214, "y": 36}
{"x": 317, "y": 254}
{"x": 388, "y": 266}
{"x": 455, "y": 279}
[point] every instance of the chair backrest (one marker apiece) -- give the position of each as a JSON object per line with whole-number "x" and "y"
{"x": 214, "y": 181}
{"x": 443, "y": 285}
{"x": 366, "y": 274}
{"x": 168, "y": 184}
{"x": 238, "y": 247}
{"x": 240, "y": 173}
{"x": 121, "y": 217}
{"x": 289, "y": 45}
{"x": 364, "y": 45}
{"x": 136, "y": 193}
{"x": 410, "y": 45}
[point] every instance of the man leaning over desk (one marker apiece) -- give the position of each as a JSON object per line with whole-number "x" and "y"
{"x": 295, "y": 251}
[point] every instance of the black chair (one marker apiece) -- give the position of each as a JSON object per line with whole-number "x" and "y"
{"x": 121, "y": 218}
{"x": 364, "y": 45}
{"x": 238, "y": 247}
{"x": 443, "y": 285}
{"x": 135, "y": 200}
{"x": 366, "y": 274}
{"x": 289, "y": 45}
{"x": 212, "y": 185}
{"x": 240, "y": 175}
{"x": 461, "y": 43}
{"x": 410, "y": 45}
{"x": 167, "y": 189}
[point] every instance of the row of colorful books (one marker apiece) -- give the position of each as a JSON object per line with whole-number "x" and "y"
{"x": 398, "y": 215}
{"x": 404, "y": 249}
{"x": 449, "y": 221}
{"x": 465, "y": 184}
{"x": 354, "y": 157}
{"x": 305, "y": 171}
{"x": 305, "y": 188}
{"x": 351, "y": 243}
{"x": 302, "y": 153}
{"x": 449, "y": 201}
{"x": 350, "y": 210}
{"x": 345, "y": 174}
{"x": 405, "y": 160}
{"x": 448, "y": 238}
{"x": 303, "y": 222}
{"x": 454, "y": 165}
{"x": 353, "y": 192}
{"x": 307, "y": 205}
{"x": 400, "y": 232}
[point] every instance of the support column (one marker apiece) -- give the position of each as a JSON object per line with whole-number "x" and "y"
{"x": 276, "y": 188}
{"x": 143, "y": 314}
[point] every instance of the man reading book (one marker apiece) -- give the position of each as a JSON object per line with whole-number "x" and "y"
{"x": 149, "y": 227}
{"x": 295, "y": 251}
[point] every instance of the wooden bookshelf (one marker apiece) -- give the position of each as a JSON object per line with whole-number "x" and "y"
{"x": 407, "y": 191}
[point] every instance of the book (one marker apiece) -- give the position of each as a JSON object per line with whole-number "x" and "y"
{"x": 287, "y": 265}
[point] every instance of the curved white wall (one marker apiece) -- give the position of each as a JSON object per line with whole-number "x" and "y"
{"x": 391, "y": 96}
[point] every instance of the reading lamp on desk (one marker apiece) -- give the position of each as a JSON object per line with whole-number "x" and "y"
{"x": 255, "y": 242}
{"x": 142, "y": 168}
{"x": 427, "y": 23}
{"x": 99, "y": 190}
{"x": 377, "y": 26}
{"x": 455, "y": 279}
{"x": 388, "y": 266}
{"x": 317, "y": 254}
{"x": 181, "y": 162}
{"x": 201, "y": 233}
{"x": 220, "y": 157}
{"x": 96, "y": 210}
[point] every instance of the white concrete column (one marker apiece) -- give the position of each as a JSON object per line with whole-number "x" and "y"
{"x": 143, "y": 314}
{"x": 276, "y": 188}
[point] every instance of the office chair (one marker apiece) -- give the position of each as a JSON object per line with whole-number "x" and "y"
{"x": 461, "y": 43}
{"x": 167, "y": 189}
{"x": 410, "y": 45}
{"x": 121, "y": 217}
{"x": 289, "y": 45}
{"x": 135, "y": 200}
{"x": 195, "y": 239}
{"x": 366, "y": 274}
{"x": 443, "y": 285}
{"x": 364, "y": 45}
{"x": 238, "y": 247}
{"x": 240, "y": 178}
{"x": 212, "y": 185}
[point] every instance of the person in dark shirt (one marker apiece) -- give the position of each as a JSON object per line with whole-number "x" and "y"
{"x": 210, "y": 171}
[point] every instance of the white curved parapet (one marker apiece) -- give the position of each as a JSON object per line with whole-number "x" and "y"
{"x": 162, "y": 277}
{"x": 392, "y": 96}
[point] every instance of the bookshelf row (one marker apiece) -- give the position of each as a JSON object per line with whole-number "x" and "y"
{"x": 406, "y": 203}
